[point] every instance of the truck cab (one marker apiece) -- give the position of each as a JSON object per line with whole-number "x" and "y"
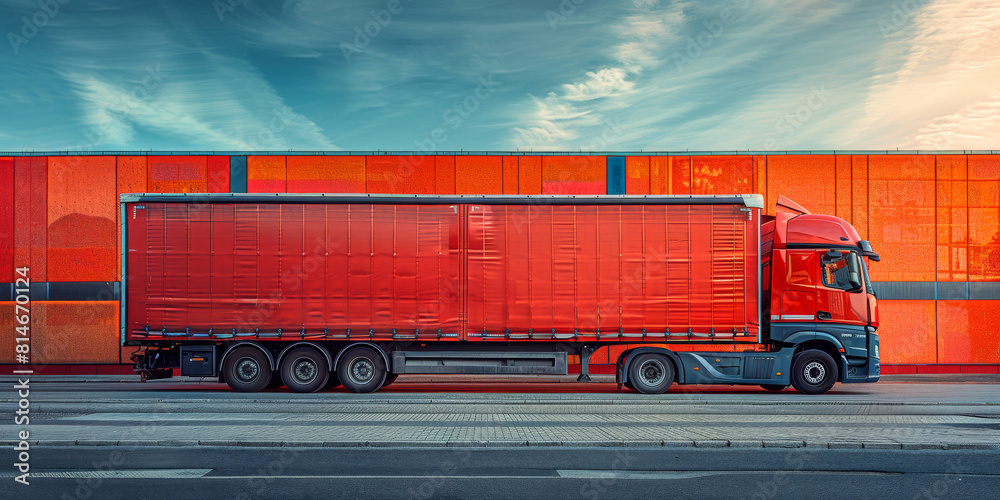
{"x": 816, "y": 286}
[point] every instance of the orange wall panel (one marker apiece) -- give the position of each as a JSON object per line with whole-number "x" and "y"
{"x": 74, "y": 332}
{"x": 844, "y": 191}
{"x": 907, "y": 331}
{"x": 6, "y": 220}
{"x": 659, "y": 174}
{"x": 132, "y": 177}
{"x": 859, "y": 194}
{"x": 7, "y": 332}
{"x": 82, "y": 223}
{"x": 637, "y": 175}
{"x": 444, "y": 175}
{"x": 266, "y": 174}
{"x": 679, "y": 180}
{"x": 529, "y": 174}
{"x": 966, "y": 331}
{"x": 722, "y": 174}
{"x": 760, "y": 179}
{"x": 479, "y": 175}
{"x": 902, "y": 216}
{"x": 574, "y": 175}
{"x": 809, "y": 180}
{"x": 401, "y": 174}
{"x": 952, "y": 218}
{"x": 178, "y": 174}
{"x": 510, "y": 174}
{"x": 984, "y": 217}
{"x": 325, "y": 174}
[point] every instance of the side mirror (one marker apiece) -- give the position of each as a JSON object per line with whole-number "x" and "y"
{"x": 855, "y": 280}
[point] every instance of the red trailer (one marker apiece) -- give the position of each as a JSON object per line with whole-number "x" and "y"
{"x": 311, "y": 291}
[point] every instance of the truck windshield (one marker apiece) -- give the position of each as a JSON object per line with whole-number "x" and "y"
{"x": 868, "y": 283}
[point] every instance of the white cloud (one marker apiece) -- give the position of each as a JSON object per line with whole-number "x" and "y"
{"x": 946, "y": 94}
{"x": 557, "y": 119}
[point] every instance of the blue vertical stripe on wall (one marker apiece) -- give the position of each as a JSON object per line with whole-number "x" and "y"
{"x": 616, "y": 175}
{"x": 237, "y": 174}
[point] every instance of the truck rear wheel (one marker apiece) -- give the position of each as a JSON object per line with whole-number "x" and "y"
{"x": 361, "y": 370}
{"x": 651, "y": 373}
{"x": 813, "y": 372}
{"x": 247, "y": 370}
{"x": 304, "y": 370}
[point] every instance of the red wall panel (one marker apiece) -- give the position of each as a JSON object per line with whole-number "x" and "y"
{"x": 401, "y": 174}
{"x": 266, "y": 174}
{"x": 178, "y": 174}
{"x": 844, "y": 191}
{"x": 637, "y": 175}
{"x": 859, "y": 194}
{"x": 902, "y": 216}
{"x": 907, "y": 331}
{"x": 966, "y": 331}
{"x": 529, "y": 172}
{"x": 984, "y": 217}
{"x": 218, "y": 174}
{"x": 82, "y": 230}
{"x": 479, "y": 174}
{"x": 952, "y": 214}
{"x": 574, "y": 175}
{"x": 6, "y": 220}
{"x": 325, "y": 174}
{"x": 132, "y": 176}
{"x": 7, "y": 332}
{"x": 30, "y": 215}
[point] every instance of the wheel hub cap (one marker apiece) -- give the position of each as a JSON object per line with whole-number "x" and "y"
{"x": 304, "y": 370}
{"x": 651, "y": 372}
{"x": 814, "y": 372}
{"x": 362, "y": 371}
{"x": 247, "y": 369}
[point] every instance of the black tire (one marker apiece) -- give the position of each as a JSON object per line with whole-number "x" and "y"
{"x": 774, "y": 387}
{"x": 390, "y": 378}
{"x": 813, "y": 372}
{"x": 247, "y": 369}
{"x": 651, "y": 373}
{"x": 304, "y": 369}
{"x": 361, "y": 370}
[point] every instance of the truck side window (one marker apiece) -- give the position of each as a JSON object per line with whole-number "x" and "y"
{"x": 834, "y": 270}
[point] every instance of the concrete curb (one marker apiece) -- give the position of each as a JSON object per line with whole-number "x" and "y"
{"x": 646, "y": 443}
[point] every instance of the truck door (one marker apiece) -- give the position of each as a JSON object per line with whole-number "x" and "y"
{"x": 794, "y": 275}
{"x": 840, "y": 294}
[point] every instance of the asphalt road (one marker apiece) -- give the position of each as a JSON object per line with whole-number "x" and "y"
{"x": 424, "y": 438}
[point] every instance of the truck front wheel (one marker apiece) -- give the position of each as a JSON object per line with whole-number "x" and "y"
{"x": 247, "y": 370}
{"x": 813, "y": 372}
{"x": 651, "y": 373}
{"x": 304, "y": 370}
{"x": 361, "y": 370}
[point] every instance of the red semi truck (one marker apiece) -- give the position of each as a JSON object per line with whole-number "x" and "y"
{"x": 314, "y": 291}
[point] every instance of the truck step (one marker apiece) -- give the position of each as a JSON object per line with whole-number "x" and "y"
{"x": 480, "y": 363}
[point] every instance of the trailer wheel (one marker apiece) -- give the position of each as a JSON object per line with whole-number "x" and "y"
{"x": 304, "y": 370}
{"x": 813, "y": 372}
{"x": 651, "y": 373}
{"x": 774, "y": 387}
{"x": 247, "y": 370}
{"x": 361, "y": 370}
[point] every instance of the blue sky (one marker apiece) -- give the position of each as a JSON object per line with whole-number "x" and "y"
{"x": 499, "y": 75}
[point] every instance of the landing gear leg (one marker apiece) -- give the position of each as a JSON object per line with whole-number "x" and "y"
{"x": 585, "y": 353}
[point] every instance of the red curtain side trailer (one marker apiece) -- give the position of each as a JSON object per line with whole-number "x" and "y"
{"x": 311, "y": 291}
